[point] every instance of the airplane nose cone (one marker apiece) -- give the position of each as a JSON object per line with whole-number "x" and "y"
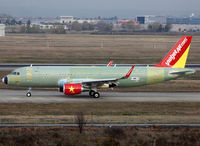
{"x": 5, "y": 80}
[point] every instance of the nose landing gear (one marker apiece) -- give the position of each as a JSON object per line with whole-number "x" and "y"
{"x": 28, "y": 94}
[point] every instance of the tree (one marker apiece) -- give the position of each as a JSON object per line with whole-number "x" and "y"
{"x": 91, "y": 26}
{"x": 20, "y": 22}
{"x": 7, "y": 22}
{"x": 76, "y": 26}
{"x": 58, "y": 30}
{"x": 160, "y": 28}
{"x": 103, "y": 26}
{"x": 13, "y": 22}
{"x": 28, "y": 22}
{"x": 168, "y": 27}
{"x": 85, "y": 25}
{"x": 130, "y": 26}
{"x": 28, "y": 28}
{"x": 150, "y": 27}
{"x": 80, "y": 120}
{"x": 155, "y": 27}
{"x": 22, "y": 29}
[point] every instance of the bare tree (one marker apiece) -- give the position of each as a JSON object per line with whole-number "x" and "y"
{"x": 76, "y": 26}
{"x": 168, "y": 27}
{"x": 80, "y": 120}
{"x": 155, "y": 27}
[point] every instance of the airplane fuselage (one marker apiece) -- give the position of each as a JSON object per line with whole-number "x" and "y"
{"x": 57, "y": 76}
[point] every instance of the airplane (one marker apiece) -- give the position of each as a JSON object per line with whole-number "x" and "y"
{"x": 72, "y": 80}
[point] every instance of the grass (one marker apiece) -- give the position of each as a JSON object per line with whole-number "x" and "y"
{"x": 101, "y": 112}
{"x": 100, "y": 136}
{"x": 84, "y": 48}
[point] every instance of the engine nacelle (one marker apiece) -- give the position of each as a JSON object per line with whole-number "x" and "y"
{"x": 72, "y": 89}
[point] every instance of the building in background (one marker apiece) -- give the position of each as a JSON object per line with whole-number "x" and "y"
{"x": 88, "y": 21}
{"x": 66, "y": 19}
{"x": 185, "y": 28}
{"x": 185, "y": 20}
{"x": 149, "y": 19}
{"x": 2, "y": 30}
{"x": 128, "y": 21}
{"x": 141, "y": 19}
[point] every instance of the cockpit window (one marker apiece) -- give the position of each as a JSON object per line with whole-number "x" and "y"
{"x": 14, "y": 73}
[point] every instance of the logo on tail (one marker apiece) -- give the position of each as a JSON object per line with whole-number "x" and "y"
{"x": 177, "y": 57}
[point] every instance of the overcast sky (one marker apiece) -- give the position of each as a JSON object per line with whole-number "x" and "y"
{"x": 104, "y": 8}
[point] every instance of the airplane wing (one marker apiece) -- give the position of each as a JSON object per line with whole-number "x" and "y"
{"x": 109, "y": 80}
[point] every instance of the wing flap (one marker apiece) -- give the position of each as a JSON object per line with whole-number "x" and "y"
{"x": 99, "y": 80}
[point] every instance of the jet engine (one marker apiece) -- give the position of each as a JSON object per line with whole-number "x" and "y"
{"x": 72, "y": 89}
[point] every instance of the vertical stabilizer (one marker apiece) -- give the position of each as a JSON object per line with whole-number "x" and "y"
{"x": 177, "y": 57}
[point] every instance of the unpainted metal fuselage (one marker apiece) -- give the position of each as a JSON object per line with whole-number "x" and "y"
{"x": 57, "y": 76}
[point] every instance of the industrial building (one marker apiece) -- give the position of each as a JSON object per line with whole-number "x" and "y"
{"x": 66, "y": 19}
{"x": 149, "y": 19}
{"x": 185, "y": 20}
{"x": 185, "y": 28}
{"x": 2, "y": 30}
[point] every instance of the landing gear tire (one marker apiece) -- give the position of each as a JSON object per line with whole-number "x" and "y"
{"x": 28, "y": 94}
{"x": 96, "y": 95}
{"x": 91, "y": 93}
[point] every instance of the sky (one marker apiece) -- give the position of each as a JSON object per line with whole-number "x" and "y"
{"x": 95, "y": 8}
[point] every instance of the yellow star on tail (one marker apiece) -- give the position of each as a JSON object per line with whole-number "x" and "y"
{"x": 71, "y": 89}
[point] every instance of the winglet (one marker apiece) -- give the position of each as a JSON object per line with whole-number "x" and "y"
{"x": 110, "y": 63}
{"x": 129, "y": 72}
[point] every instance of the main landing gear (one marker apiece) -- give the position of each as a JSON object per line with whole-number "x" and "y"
{"x": 28, "y": 94}
{"x": 94, "y": 94}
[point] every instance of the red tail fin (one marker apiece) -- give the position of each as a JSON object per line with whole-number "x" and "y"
{"x": 178, "y": 55}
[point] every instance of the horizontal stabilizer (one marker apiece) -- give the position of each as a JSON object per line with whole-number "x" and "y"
{"x": 179, "y": 72}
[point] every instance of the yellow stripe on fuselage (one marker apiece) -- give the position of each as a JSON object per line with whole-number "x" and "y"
{"x": 181, "y": 62}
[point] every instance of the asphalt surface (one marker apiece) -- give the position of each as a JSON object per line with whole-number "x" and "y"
{"x": 45, "y": 96}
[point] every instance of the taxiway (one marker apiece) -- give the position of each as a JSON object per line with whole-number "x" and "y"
{"x": 46, "y": 96}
